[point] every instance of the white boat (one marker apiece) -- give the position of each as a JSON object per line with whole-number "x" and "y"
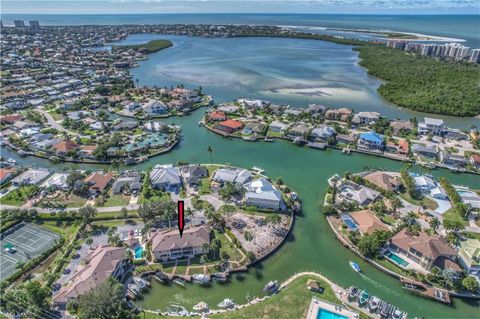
{"x": 355, "y": 266}
{"x": 258, "y": 169}
{"x": 201, "y": 306}
{"x": 271, "y": 287}
{"x": 226, "y": 303}
{"x": 373, "y": 304}
{"x": 201, "y": 278}
{"x": 140, "y": 282}
{"x": 11, "y": 161}
{"x": 179, "y": 281}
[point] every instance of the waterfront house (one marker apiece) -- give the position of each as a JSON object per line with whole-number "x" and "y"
{"x": 426, "y": 151}
{"x": 278, "y": 127}
{"x": 431, "y": 126}
{"x": 125, "y": 125}
{"x": 229, "y": 126}
{"x": 5, "y": 174}
{"x": 370, "y": 141}
{"x": 475, "y": 160}
{"x": 253, "y": 104}
{"x": 165, "y": 177}
{"x": 64, "y": 147}
{"x": 315, "y": 108}
{"x": 367, "y": 222}
{"x": 132, "y": 107}
{"x": 456, "y": 134}
{"x": 192, "y": 174}
{"x": 341, "y": 114}
{"x": 426, "y": 250}
{"x": 154, "y": 107}
{"x": 452, "y": 159}
{"x": 469, "y": 256}
{"x": 228, "y": 108}
{"x": 30, "y": 177}
{"x": 323, "y": 132}
{"x": 352, "y": 192}
{"x": 401, "y": 127}
{"x": 262, "y": 194}
{"x": 299, "y": 129}
{"x": 231, "y": 175}
{"x": 99, "y": 265}
{"x": 98, "y": 182}
{"x": 423, "y": 183}
{"x": 57, "y": 181}
{"x": 253, "y": 127}
{"x": 217, "y": 116}
{"x": 128, "y": 182}
{"x": 169, "y": 245}
{"x": 388, "y": 181}
{"x": 347, "y": 138}
{"x": 366, "y": 118}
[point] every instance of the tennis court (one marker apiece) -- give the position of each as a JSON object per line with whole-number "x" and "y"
{"x": 22, "y": 243}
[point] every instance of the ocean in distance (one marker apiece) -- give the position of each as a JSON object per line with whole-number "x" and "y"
{"x": 465, "y": 27}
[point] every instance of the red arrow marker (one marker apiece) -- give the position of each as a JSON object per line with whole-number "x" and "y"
{"x": 181, "y": 217}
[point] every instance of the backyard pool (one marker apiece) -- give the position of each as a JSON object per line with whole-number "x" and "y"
{"x": 138, "y": 252}
{"x": 349, "y": 222}
{"x": 396, "y": 259}
{"x": 325, "y": 314}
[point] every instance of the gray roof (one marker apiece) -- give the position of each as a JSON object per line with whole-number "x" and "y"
{"x": 233, "y": 175}
{"x": 162, "y": 174}
{"x": 193, "y": 173}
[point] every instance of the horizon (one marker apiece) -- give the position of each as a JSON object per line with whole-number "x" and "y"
{"x": 356, "y": 7}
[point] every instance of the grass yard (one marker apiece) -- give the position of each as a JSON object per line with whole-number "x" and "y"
{"x": 452, "y": 214}
{"x": 291, "y": 302}
{"x": 387, "y": 219}
{"x": 114, "y": 200}
{"x": 228, "y": 247}
{"x": 427, "y": 202}
{"x": 117, "y": 222}
{"x": 204, "y": 186}
{"x": 19, "y": 196}
{"x": 62, "y": 228}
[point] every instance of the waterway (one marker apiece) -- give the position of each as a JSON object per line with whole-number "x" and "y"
{"x": 311, "y": 246}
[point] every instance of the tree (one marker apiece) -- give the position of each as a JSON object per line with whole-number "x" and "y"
{"x": 248, "y": 236}
{"x": 225, "y": 256}
{"x": 89, "y": 241}
{"x": 370, "y": 244}
{"x": 72, "y": 306}
{"x": 251, "y": 256}
{"x": 210, "y": 151}
{"x": 104, "y": 302}
{"x": 87, "y": 213}
{"x": 29, "y": 298}
{"x": 470, "y": 283}
{"x": 124, "y": 212}
{"x": 453, "y": 225}
{"x": 463, "y": 209}
{"x": 434, "y": 223}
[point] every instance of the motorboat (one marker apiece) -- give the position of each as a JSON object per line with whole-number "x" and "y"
{"x": 134, "y": 289}
{"x": 160, "y": 276}
{"x": 179, "y": 281}
{"x": 177, "y": 310}
{"x": 257, "y": 169}
{"x": 363, "y": 298}
{"x": 355, "y": 266}
{"x": 201, "y": 278}
{"x": 220, "y": 277}
{"x": 11, "y": 161}
{"x": 271, "y": 287}
{"x": 226, "y": 304}
{"x": 373, "y": 304}
{"x": 386, "y": 310}
{"x": 353, "y": 293}
{"x": 201, "y": 306}
{"x": 398, "y": 314}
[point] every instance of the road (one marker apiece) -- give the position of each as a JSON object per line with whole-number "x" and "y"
{"x": 51, "y": 120}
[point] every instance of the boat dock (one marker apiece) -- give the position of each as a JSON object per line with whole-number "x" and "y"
{"x": 419, "y": 288}
{"x": 320, "y": 146}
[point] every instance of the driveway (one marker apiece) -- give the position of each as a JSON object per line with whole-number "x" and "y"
{"x": 443, "y": 205}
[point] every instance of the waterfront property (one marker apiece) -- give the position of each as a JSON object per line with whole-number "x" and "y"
{"x": 321, "y": 309}
{"x": 101, "y": 263}
{"x": 262, "y": 194}
{"x": 231, "y": 175}
{"x": 367, "y": 222}
{"x": 30, "y": 177}
{"x": 169, "y": 245}
{"x": 425, "y": 250}
{"x": 352, "y": 192}
{"x": 385, "y": 180}
{"x": 469, "y": 256}
{"x": 165, "y": 177}
{"x": 128, "y": 182}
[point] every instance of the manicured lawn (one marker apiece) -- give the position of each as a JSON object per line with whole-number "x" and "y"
{"x": 67, "y": 229}
{"x": 387, "y": 219}
{"x": 452, "y": 214}
{"x": 19, "y": 196}
{"x": 114, "y": 200}
{"x": 116, "y": 222}
{"x": 204, "y": 186}
{"x": 427, "y": 202}
{"x": 228, "y": 247}
{"x": 291, "y": 302}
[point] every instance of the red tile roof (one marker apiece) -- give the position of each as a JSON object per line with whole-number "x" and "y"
{"x": 233, "y": 124}
{"x": 98, "y": 181}
{"x": 65, "y": 146}
{"x": 217, "y": 115}
{"x": 476, "y": 158}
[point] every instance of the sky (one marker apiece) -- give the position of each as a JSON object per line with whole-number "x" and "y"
{"x": 241, "y": 6}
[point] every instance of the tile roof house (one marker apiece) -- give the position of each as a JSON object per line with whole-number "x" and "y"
{"x": 475, "y": 160}
{"x": 386, "y": 181}
{"x": 217, "y": 116}
{"x": 165, "y": 177}
{"x": 63, "y": 147}
{"x": 341, "y": 114}
{"x": 229, "y": 126}
{"x": 424, "y": 249}
{"x": 367, "y": 222}
{"x": 169, "y": 245}
{"x": 98, "y": 182}
{"x": 469, "y": 255}
{"x": 5, "y": 174}
{"x": 100, "y": 264}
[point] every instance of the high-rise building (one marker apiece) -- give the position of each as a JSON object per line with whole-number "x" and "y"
{"x": 19, "y": 24}
{"x": 474, "y": 56}
{"x": 34, "y": 24}
{"x": 462, "y": 53}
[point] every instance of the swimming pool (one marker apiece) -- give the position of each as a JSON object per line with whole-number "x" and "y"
{"x": 396, "y": 259}
{"x": 349, "y": 222}
{"x": 138, "y": 252}
{"x": 466, "y": 193}
{"x": 325, "y": 314}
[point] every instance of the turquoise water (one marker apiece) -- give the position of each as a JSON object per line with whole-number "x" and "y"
{"x": 138, "y": 252}
{"x": 397, "y": 259}
{"x": 325, "y": 314}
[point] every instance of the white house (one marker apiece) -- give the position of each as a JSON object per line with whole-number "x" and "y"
{"x": 165, "y": 177}
{"x": 323, "y": 132}
{"x": 262, "y": 194}
{"x": 154, "y": 107}
{"x": 431, "y": 126}
{"x": 278, "y": 127}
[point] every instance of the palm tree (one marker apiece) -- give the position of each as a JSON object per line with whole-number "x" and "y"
{"x": 210, "y": 150}
{"x": 189, "y": 214}
{"x": 434, "y": 223}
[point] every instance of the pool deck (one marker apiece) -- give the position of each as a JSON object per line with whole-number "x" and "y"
{"x": 317, "y": 304}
